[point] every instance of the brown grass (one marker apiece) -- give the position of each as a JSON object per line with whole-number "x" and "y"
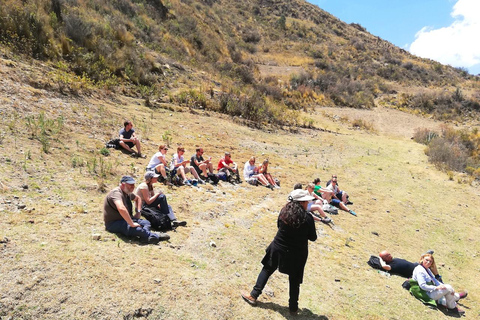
{"x": 52, "y": 269}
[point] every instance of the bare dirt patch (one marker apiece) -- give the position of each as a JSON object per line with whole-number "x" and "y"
{"x": 278, "y": 71}
{"x": 386, "y": 121}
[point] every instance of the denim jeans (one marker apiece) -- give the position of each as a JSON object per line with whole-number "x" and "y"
{"x": 122, "y": 227}
{"x": 164, "y": 207}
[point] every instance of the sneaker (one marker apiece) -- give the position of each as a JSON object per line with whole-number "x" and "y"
{"x": 141, "y": 155}
{"x": 187, "y": 183}
{"x": 457, "y": 310}
{"x": 200, "y": 181}
{"x": 352, "y": 213}
{"x": 463, "y": 294}
{"x": 249, "y": 299}
{"x": 133, "y": 154}
{"x": 176, "y": 223}
{"x": 270, "y": 187}
{"x": 326, "y": 220}
{"x": 349, "y": 202}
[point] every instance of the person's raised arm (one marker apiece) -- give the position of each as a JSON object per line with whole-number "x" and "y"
{"x": 146, "y": 196}
{"x": 384, "y": 265}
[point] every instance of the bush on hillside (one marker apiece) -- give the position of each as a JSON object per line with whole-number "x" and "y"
{"x": 451, "y": 149}
{"x": 451, "y": 154}
{"x": 424, "y": 136}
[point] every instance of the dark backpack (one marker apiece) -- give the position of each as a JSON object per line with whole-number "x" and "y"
{"x": 374, "y": 262}
{"x": 114, "y": 143}
{"x": 213, "y": 178}
{"x": 158, "y": 220}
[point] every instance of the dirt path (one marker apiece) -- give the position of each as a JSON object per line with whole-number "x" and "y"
{"x": 386, "y": 121}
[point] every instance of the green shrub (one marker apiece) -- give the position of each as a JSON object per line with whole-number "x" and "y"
{"x": 104, "y": 151}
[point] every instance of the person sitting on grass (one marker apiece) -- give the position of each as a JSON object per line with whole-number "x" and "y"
{"x": 118, "y": 216}
{"x": 338, "y": 194}
{"x": 263, "y": 169}
{"x": 428, "y": 289}
{"x": 329, "y": 196}
{"x": 200, "y": 165}
{"x": 128, "y": 139}
{"x": 251, "y": 175}
{"x": 158, "y": 163}
{"x": 316, "y": 205}
{"x": 180, "y": 167}
{"x": 156, "y": 200}
{"x": 230, "y": 168}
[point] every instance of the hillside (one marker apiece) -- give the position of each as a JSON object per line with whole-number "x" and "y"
{"x": 277, "y": 79}
{"x": 51, "y": 202}
{"x": 258, "y": 59}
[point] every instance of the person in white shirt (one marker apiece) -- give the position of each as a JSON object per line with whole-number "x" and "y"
{"x": 251, "y": 174}
{"x": 158, "y": 162}
{"x": 444, "y": 293}
{"x": 180, "y": 167}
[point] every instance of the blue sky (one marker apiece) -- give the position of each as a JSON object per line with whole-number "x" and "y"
{"x": 444, "y": 30}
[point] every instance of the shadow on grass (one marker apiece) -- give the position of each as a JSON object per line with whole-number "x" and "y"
{"x": 302, "y": 313}
{"x": 136, "y": 241}
{"x": 451, "y": 313}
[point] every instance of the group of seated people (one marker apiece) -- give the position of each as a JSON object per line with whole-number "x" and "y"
{"x": 199, "y": 167}
{"x": 326, "y": 197}
{"x": 255, "y": 175}
{"x": 425, "y": 283}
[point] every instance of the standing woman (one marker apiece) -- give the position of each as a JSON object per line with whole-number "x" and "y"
{"x": 288, "y": 251}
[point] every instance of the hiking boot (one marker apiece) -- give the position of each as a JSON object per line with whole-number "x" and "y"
{"x": 352, "y": 213}
{"x": 152, "y": 240}
{"x": 463, "y": 294}
{"x": 293, "y": 312}
{"x": 176, "y": 223}
{"x": 162, "y": 236}
{"x": 249, "y": 299}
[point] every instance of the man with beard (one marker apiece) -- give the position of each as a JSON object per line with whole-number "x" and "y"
{"x": 118, "y": 214}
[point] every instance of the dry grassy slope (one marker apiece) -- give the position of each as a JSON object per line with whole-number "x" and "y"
{"x": 52, "y": 269}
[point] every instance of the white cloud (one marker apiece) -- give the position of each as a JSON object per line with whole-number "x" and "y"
{"x": 458, "y": 44}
